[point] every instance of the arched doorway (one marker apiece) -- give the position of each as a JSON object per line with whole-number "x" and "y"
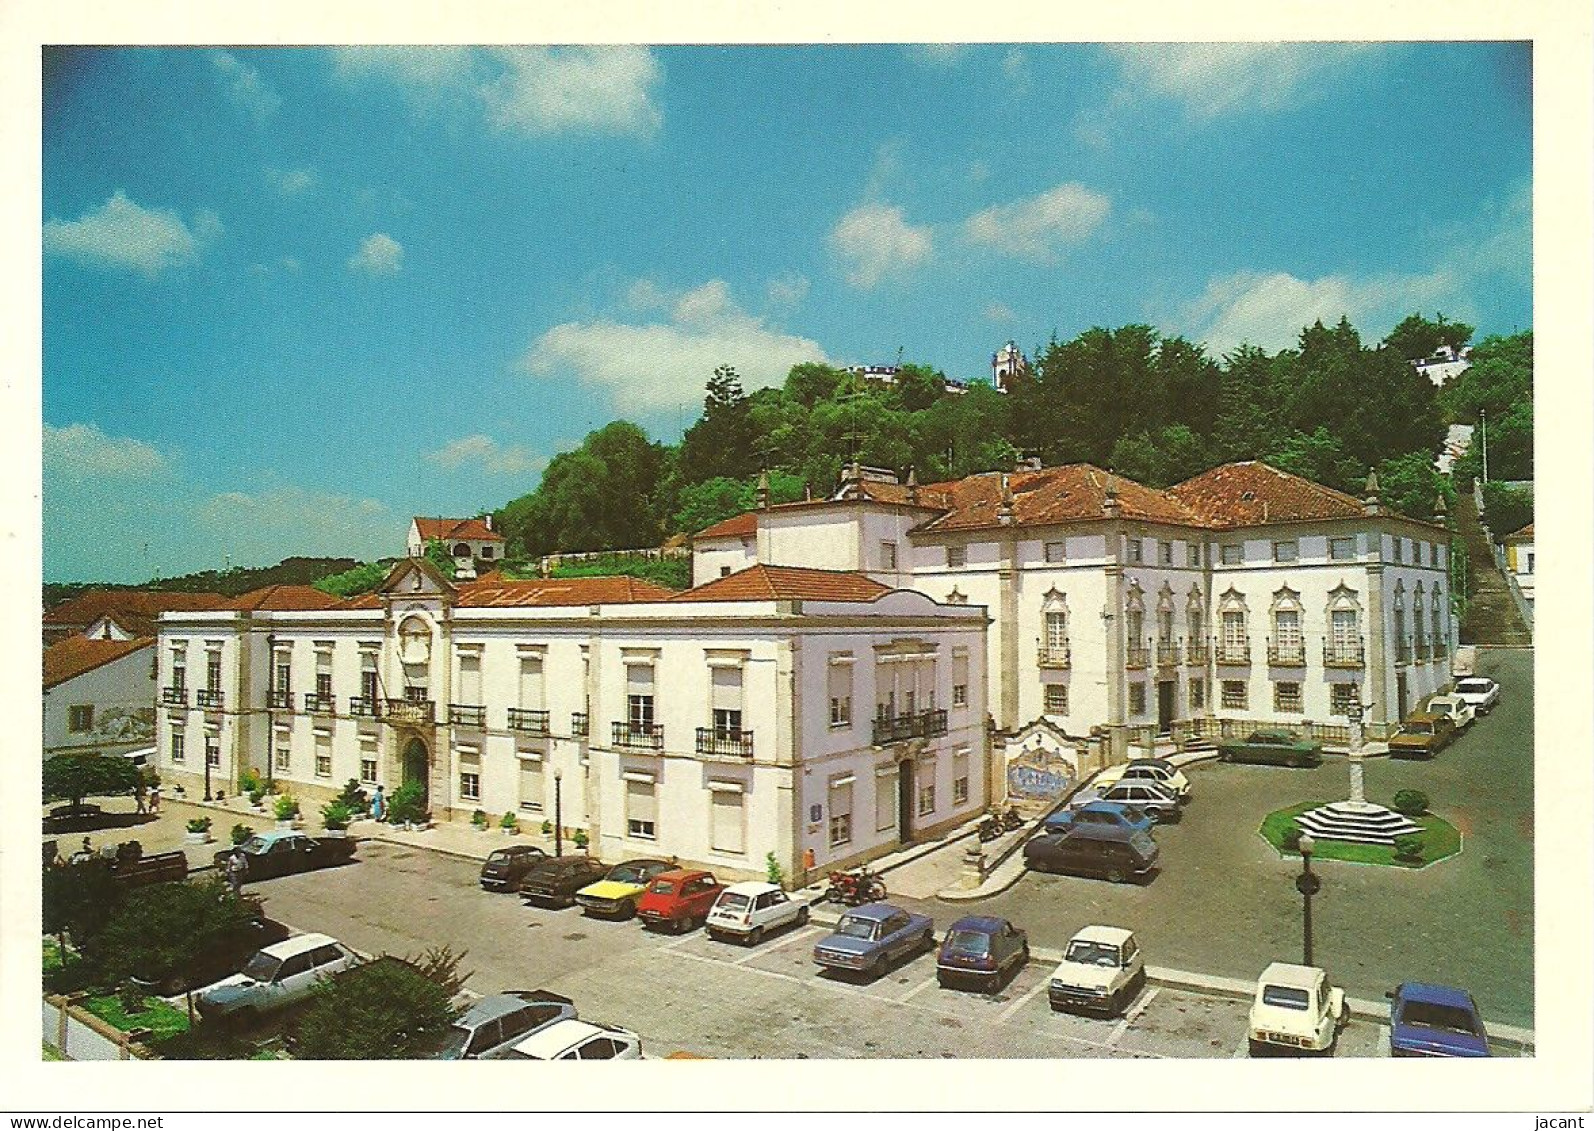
{"x": 415, "y": 767}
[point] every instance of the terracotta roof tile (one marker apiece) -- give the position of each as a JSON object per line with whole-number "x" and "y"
{"x": 787, "y": 583}
{"x": 450, "y": 529}
{"x": 554, "y": 592}
{"x": 283, "y": 598}
{"x": 1072, "y": 493}
{"x": 86, "y": 608}
{"x": 1255, "y": 494}
{"x": 1523, "y": 535}
{"x": 69, "y": 658}
{"x": 738, "y": 527}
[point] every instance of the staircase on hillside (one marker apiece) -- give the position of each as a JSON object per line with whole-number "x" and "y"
{"x": 1492, "y": 616}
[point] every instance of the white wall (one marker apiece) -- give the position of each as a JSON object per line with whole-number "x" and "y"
{"x": 711, "y": 556}
{"x": 122, "y": 694}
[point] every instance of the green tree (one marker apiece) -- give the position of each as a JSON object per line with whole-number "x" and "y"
{"x": 919, "y": 386}
{"x": 1320, "y": 457}
{"x": 387, "y": 1009}
{"x": 1506, "y": 509}
{"x": 703, "y": 504}
{"x": 1250, "y": 413}
{"x": 72, "y": 777}
{"x": 721, "y": 443}
{"x": 1416, "y": 337}
{"x": 602, "y": 496}
{"x": 363, "y": 578}
{"x": 1410, "y": 484}
{"x": 78, "y": 899}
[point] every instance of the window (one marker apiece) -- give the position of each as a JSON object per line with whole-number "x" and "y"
{"x": 1234, "y": 697}
{"x": 212, "y": 751}
{"x": 323, "y": 685}
{"x": 888, "y": 555}
{"x": 213, "y": 671}
{"x": 1056, "y": 632}
{"x": 282, "y": 751}
{"x": 1339, "y": 698}
{"x": 641, "y": 808}
{"x": 531, "y": 785}
{"x": 1165, "y": 553}
{"x": 487, "y": 552}
{"x": 284, "y": 675}
{"x": 1234, "y": 632}
{"x": 531, "y": 683}
{"x": 179, "y": 668}
{"x": 840, "y": 677}
{"x": 368, "y": 684}
{"x": 725, "y": 571}
{"x": 368, "y": 767}
{"x": 177, "y": 747}
{"x": 470, "y": 777}
{"x": 639, "y": 697}
{"x": 1137, "y": 698}
{"x": 1287, "y": 634}
{"x": 1056, "y": 698}
{"x": 1056, "y": 552}
{"x": 960, "y": 678}
{"x": 1195, "y": 554}
{"x": 960, "y": 777}
{"x": 323, "y": 755}
{"x": 725, "y": 692}
{"x": 1198, "y": 694}
{"x": 469, "y": 692}
{"x": 1233, "y": 553}
{"x": 841, "y": 811}
{"x": 927, "y": 793}
{"x": 1286, "y": 551}
{"x": 727, "y": 823}
{"x": 80, "y": 718}
{"x": 1287, "y": 698}
{"x": 1400, "y": 551}
{"x": 886, "y": 798}
{"x": 956, "y": 555}
{"x": 1341, "y": 549}
{"x": 1137, "y": 550}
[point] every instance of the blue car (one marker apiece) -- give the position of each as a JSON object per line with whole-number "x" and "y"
{"x": 1094, "y": 814}
{"x": 871, "y": 937}
{"x": 982, "y": 949}
{"x": 1429, "y": 1020}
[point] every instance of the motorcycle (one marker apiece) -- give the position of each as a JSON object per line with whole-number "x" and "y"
{"x": 998, "y": 823}
{"x": 855, "y": 888}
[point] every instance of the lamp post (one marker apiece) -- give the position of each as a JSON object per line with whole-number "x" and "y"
{"x": 558, "y": 813}
{"x": 1483, "y": 421}
{"x": 207, "y": 768}
{"x": 1308, "y": 885}
{"x": 271, "y": 755}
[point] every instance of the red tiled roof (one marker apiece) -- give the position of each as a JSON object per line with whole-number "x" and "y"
{"x": 738, "y": 527}
{"x": 1523, "y": 535}
{"x": 787, "y": 583}
{"x": 283, "y": 598}
{"x": 70, "y": 658}
{"x": 456, "y": 529}
{"x": 554, "y": 592}
{"x": 1255, "y": 494}
{"x": 931, "y": 496}
{"x": 86, "y": 608}
{"x": 1070, "y": 493}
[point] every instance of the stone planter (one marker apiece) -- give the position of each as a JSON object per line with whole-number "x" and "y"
{"x": 335, "y": 834}
{"x": 286, "y": 825}
{"x": 197, "y": 838}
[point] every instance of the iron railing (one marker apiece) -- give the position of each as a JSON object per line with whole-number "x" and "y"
{"x": 900, "y": 728}
{"x": 363, "y": 706}
{"x": 1197, "y": 651}
{"x": 319, "y": 704}
{"x": 725, "y": 740}
{"x": 174, "y": 696}
{"x": 1054, "y": 655}
{"x": 579, "y": 725}
{"x": 1137, "y": 655}
{"x": 1286, "y": 654}
{"x": 210, "y": 697}
{"x": 409, "y": 710}
{"x": 1167, "y": 653}
{"x": 528, "y": 721}
{"x": 1233, "y": 651}
{"x": 467, "y": 715}
{"x": 644, "y": 736}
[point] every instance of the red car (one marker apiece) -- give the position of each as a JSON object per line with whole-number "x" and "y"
{"x": 678, "y": 900}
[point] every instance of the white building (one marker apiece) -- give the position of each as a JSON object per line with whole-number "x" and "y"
{"x": 815, "y": 715}
{"x": 1519, "y": 560}
{"x": 467, "y": 539}
{"x": 1241, "y": 596}
{"x": 1446, "y": 364}
{"x": 99, "y": 695}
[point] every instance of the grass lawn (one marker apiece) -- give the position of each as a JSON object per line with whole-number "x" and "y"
{"x": 50, "y": 1053}
{"x": 161, "y": 1019}
{"x": 1439, "y": 837}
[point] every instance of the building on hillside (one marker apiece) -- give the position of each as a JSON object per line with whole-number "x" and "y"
{"x": 816, "y": 715}
{"x": 469, "y": 540}
{"x": 99, "y": 696}
{"x": 886, "y": 376}
{"x": 1458, "y": 438}
{"x": 1245, "y": 595}
{"x": 117, "y": 614}
{"x": 1446, "y": 364}
{"x": 1519, "y": 561}
{"x": 1006, "y": 364}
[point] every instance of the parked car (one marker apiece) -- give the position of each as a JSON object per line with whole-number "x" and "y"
{"x": 749, "y": 911}
{"x": 1155, "y": 800}
{"x": 1480, "y": 691}
{"x": 556, "y": 879}
{"x": 1271, "y": 748}
{"x": 981, "y": 949}
{"x": 1157, "y": 772}
{"x": 224, "y": 957}
{"x": 1453, "y": 707}
{"x": 1295, "y": 1011}
{"x": 283, "y": 852}
{"x": 1101, "y": 971}
{"x": 1110, "y": 854}
{"x": 617, "y": 893}
{"x": 1421, "y": 736}
{"x": 506, "y": 867}
{"x": 275, "y": 976}
{"x": 1097, "y": 813}
{"x": 1430, "y": 1020}
{"x": 679, "y": 900}
{"x": 496, "y": 1023}
{"x": 578, "y": 1040}
{"x": 872, "y": 937}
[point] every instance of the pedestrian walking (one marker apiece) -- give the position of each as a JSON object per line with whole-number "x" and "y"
{"x": 378, "y": 805}
{"x": 154, "y": 798}
{"x": 237, "y": 868}
{"x": 138, "y": 798}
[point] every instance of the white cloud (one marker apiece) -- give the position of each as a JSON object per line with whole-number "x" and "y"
{"x": 1040, "y": 226}
{"x": 1213, "y": 79}
{"x": 488, "y": 454}
{"x": 83, "y": 451}
{"x": 289, "y": 263}
{"x": 999, "y": 312}
{"x": 379, "y": 254}
{"x": 874, "y": 242}
{"x": 788, "y": 291}
{"x": 418, "y": 68}
{"x": 292, "y": 182}
{"x": 122, "y": 234}
{"x": 662, "y": 365}
{"x": 256, "y": 526}
{"x": 545, "y": 90}
{"x": 245, "y": 86}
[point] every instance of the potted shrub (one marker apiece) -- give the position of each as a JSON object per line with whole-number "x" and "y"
{"x": 509, "y": 823}
{"x": 580, "y": 840}
{"x": 405, "y": 807}
{"x": 335, "y": 818}
{"x": 241, "y": 833}
{"x": 479, "y": 819}
{"x": 354, "y": 799}
{"x": 287, "y": 811}
{"x": 1410, "y": 802}
{"x": 198, "y": 830}
{"x": 547, "y": 828}
{"x": 249, "y": 781}
{"x": 257, "y": 799}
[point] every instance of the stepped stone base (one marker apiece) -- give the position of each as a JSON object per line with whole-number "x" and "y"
{"x": 1359, "y": 821}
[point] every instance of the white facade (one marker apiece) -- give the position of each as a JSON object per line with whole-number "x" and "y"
{"x": 105, "y": 710}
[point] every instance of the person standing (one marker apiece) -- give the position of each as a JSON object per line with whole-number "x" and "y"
{"x": 378, "y": 805}
{"x": 138, "y": 797}
{"x": 237, "y": 869}
{"x": 155, "y": 798}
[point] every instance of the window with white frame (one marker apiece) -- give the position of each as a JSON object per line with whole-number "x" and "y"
{"x": 639, "y": 697}
{"x": 1056, "y": 695}
{"x": 1056, "y": 552}
{"x": 641, "y": 807}
{"x": 1137, "y": 698}
{"x": 727, "y": 818}
{"x": 323, "y": 671}
{"x": 469, "y": 693}
{"x": 212, "y": 669}
{"x": 956, "y": 556}
{"x": 282, "y": 751}
{"x": 839, "y": 676}
{"x": 960, "y": 677}
{"x": 1234, "y": 639}
{"x": 368, "y": 763}
{"x": 1339, "y": 698}
{"x": 1234, "y": 694}
{"x": 925, "y": 778}
{"x": 1198, "y": 694}
{"x": 178, "y": 756}
{"x": 370, "y": 686}
{"x": 470, "y": 776}
{"x": 284, "y": 673}
{"x": 323, "y": 754}
{"x": 1056, "y": 631}
{"x": 1233, "y": 553}
{"x": 179, "y": 667}
{"x": 213, "y": 750}
{"x": 532, "y": 784}
{"x": 725, "y": 693}
{"x": 888, "y": 556}
{"x": 1286, "y": 551}
{"x": 1287, "y": 697}
{"x": 960, "y": 777}
{"x": 1341, "y": 549}
{"x": 840, "y": 808}
{"x": 886, "y": 797}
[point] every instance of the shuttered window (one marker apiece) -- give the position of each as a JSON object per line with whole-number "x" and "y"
{"x": 727, "y": 821}
{"x": 725, "y": 697}
{"x": 840, "y": 694}
{"x": 639, "y": 696}
{"x": 470, "y": 776}
{"x": 531, "y": 785}
{"x": 960, "y": 777}
{"x": 323, "y": 754}
{"x": 960, "y": 678}
{"x": 841, "y": 811}
{"x": 885, "y": 799}
{"x": 470, "y": 679}
{"x": 531, "y": 687}
{"x": 641, "y": 808}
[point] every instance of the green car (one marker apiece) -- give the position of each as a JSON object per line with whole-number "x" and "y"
{"x": 1271, "y": 748}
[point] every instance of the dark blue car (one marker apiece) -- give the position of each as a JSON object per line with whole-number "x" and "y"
{"x": 1429, "y": 1020}
{"x": 1098, "y": 814}
{"x": 982, "y": 949}
{"x": 871, "y": 937}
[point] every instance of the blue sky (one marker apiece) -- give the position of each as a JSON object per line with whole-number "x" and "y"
{"x": 293, "y": 297}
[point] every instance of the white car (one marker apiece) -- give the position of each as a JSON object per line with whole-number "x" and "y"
{"x": 1101, "y": 970}
{"x": 578, "y": 1040}
{"x": 1295, "y": 1011}
{"x": 281, "y": 973}
{"x": 1454, "y": 708}
{"x": 1165, "y": 776}
{"x": 1480, "y": 691}
{"x": 750, "y": 910}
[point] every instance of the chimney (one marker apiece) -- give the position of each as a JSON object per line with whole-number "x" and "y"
{"x": 913, "y": 485}
{"x": 1370, "y": 504}
{"x": 1109, "y": 502}
{"x": 1440, "y": 511}
{"x": 1004, "y": 512}
{"x": 762, "y": 494}
{"x": 488, "y": 519}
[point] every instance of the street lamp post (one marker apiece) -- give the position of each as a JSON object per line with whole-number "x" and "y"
{"x": 207, "y": 770}
{"x": 558, "y": 814}
{"x": 1483, "y": 422}
{"x": 1308, "y": 885}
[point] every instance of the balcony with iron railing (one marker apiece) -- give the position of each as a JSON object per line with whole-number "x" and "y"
{"x": 1054, "y": 655}
{"x": 174, "y": 696}
{"x": 639, "y": 736}
{"x": 1167, "y": 653}
{"x": 319, "y": 704}
{"x": 1403, "y": 651}
{"x": 211, "y": 698}
{"x": 725, "y": 740}
{"x": 579, "y": 724}
{"x": 1423, "y": 650}
{"x": 279, "y": 700}
{"x": 1286, "y": 653}
{"x": 1234, "y": 650}
{"x": 421, "y": 711}
{"x": 467, "y": 715}
{"x": 363, "y": 706}
{"x": 1347, "y": 653}
{"x": 1197, "y": 651}
{"x": 1137, "y": 654}
{"x": 528, "y": 721}
{"x": 900, "y": 728}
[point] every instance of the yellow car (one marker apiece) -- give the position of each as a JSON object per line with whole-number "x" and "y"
{"x": 617, "y": 893}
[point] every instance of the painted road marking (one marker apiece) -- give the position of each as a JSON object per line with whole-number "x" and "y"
{"x": 1382, "y": 1048}
{"x": 933, "y": 979}
{"x": 796, "y": 936}
{"x": 1135, "y": 1011}
{"x": 1023, "y": 1001}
